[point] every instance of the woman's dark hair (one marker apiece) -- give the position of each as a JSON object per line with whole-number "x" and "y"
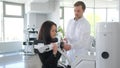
{"x": 44, "y": 33}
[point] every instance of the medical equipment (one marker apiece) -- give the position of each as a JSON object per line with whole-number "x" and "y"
{"x": 108, "y": 45}
{"x": 81, "y": 62}
{"x": 31, "y": 35}
{"x": 45, "y": 48}
{"x": 41, "y": 47}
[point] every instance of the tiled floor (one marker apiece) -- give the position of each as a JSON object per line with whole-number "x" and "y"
{"x": 19, "y": 61}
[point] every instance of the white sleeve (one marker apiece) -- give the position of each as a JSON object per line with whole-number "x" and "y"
{"x": 67, "y": 29}
{"x": 43, "y": 48}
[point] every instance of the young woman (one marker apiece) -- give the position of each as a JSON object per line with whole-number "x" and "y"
{"x": 47, "y": 33}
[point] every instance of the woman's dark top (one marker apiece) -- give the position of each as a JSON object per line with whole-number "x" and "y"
{"x": 49, "y": 60}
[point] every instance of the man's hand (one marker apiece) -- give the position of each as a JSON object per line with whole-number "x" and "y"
{"x": 67, "y": 46}
{"x": 65, "y": 40}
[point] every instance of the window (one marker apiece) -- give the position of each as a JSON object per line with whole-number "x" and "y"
{"x": 1, "y": 66}
{"x": 112, "y": 15}
{"x": 13, "y": 29}
{"x": 62, "y": 23}
{"x": 13, "y": 21}
{"x": 62, "y": 17}
{"x": 89, "y": 15}
{"x": 93, "y": 16}
{"x": 13, "y": 9}
{"x": 68, "y": 14}
{"x": 96, "y": 11}
{"x": 100, "y": 15}
{"x": 61, "y": 12}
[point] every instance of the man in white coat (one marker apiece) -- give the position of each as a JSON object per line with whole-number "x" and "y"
{"x": 78, "y": 32}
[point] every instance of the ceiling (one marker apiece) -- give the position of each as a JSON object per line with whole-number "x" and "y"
{"x": 69, "y": 3}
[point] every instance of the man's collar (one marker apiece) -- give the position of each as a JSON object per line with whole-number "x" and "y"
{"x": 78, "y": 18}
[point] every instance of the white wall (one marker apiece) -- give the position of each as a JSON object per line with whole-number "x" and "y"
{"x": 6, "y": 47}
{"x": 55, "y": 15}
{"x": 31, "y": 19}
{"x": 39, "y": 7}
{"x": 40, "y": 18}
{"x": 37, "y": 18}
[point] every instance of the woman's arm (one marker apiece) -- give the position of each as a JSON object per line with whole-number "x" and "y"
{"x": 50, "y": 57}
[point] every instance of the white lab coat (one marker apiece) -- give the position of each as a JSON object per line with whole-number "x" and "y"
{"x": 78, "y": 35}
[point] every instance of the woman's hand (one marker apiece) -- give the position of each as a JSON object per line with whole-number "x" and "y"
{"x": 55, "y": 48}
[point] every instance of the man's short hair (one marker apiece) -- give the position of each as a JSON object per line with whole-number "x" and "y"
{"x": 80, "y": 3}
